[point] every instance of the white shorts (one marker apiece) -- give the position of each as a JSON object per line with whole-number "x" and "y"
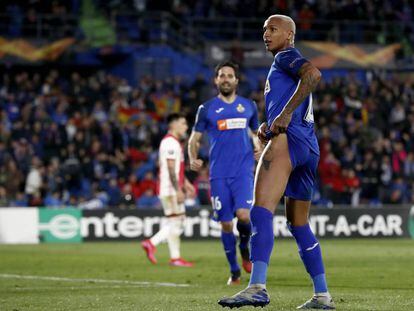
{"x": 171, "y": 207}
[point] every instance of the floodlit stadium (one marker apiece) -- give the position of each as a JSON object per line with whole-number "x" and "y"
{"x": 165, "y": 155}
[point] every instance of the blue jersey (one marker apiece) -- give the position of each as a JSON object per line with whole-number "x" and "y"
{"x": 231, "y": 152}
{"x": 281, "y": 84}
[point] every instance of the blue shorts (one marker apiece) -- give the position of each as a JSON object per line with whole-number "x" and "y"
{"x": 305, "y": 164}
{"x": 230, "y": 194}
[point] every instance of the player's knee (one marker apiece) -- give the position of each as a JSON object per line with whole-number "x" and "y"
{"x": 297, "y": 220}
{"x": 227, "y": 226}
{"x": 243, "y": 215}
{"x": 296, "y": 223}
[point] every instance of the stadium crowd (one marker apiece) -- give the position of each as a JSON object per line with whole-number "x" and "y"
{"x": 381, "y": 21}
{"x": 92, "y": 141}
{"x": 369, "y": 10}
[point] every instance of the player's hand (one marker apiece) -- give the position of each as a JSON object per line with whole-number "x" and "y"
{"x": 180, "y": 196}
{"x": 196, "y": 164}
{"x": 258, "y": 151}
{"x": 261, "y": 133}
{"x": 281, "y": 123}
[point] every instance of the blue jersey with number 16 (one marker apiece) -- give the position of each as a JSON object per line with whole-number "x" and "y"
{"x": 231, "y": 152}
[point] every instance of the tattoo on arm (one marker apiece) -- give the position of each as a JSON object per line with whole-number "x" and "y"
{"x": 309, "y": 79}
{"x": 173, "y": 177}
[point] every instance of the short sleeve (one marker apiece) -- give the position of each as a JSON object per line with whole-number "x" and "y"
{"x": 254, "y": 120}
{"x": 200, "y": 124}
{"x": 290, "y": 61}
{"x": 170, "y": 149}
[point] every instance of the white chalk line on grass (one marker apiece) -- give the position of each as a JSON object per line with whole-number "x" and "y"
{"x": 80, "y": 287}
{"x": 63, "y": 279}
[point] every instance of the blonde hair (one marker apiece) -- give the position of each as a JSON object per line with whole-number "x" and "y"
{"x": 290, "y": 24}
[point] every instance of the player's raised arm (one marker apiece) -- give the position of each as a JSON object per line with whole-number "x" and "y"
{"x": 193, "y": 147}
{"x": 309, "y": 78}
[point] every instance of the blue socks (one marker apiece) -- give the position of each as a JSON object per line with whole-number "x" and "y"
{"x": 262, "y": 237}
{"x": 229, "y": 243}
{"x": 259, "y": 273}
{"x": 310, "y": 252}
{"x": 261, "y": 242}
{"x": 244, "y": 231}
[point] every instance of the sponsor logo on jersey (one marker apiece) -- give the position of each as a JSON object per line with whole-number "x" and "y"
{"x": 231, "y": 124}
{"x": 240, "y": 108}
{"x": 219, "y": 110}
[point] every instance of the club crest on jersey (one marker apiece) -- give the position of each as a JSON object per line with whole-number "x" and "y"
{"x": 267, "y": 87}
{"x": 240, "y": 108}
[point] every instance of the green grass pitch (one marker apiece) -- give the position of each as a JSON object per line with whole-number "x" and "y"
{"x": 362, "y": 275}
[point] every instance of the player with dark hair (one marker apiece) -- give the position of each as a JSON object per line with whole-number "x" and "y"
{"x": 227, "y": 118}
{"x": 173, "y": 187}
{"x": 287, "y": 167}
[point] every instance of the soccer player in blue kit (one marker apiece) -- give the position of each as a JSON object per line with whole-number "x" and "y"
{"x": 227, "y": 118}
{"x": 287, "y": 167}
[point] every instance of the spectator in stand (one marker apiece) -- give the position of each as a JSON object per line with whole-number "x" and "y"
{"x": 398, "y": 158}
{"x": 34, "y": 182}
{"x": 148, "y": 182}
{"x": 114, "y": 193}
{"x": 370, "y": 170}
{"x": 53, "y": 200}
{"x": 14, "y": 179}
{"x": 409, "y": 167}
{"x": 127, "y": 198}
{"x": 19, "y": 201}
{"x": 398, "y": 191}
{"x": 306, "y": 17}
{"x": 3, "y": 197}
{"x": 149, "y": 200}
{"x": 352, "y": 187}
{"x": 133, "y": 186}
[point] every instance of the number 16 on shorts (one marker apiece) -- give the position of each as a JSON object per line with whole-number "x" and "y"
{"x": 216, "y": 203}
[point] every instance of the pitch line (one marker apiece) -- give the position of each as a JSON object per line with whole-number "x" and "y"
{"x": 63, "y": 279}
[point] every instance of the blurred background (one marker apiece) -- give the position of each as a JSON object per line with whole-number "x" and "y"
{"x": 85, "y": 87}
